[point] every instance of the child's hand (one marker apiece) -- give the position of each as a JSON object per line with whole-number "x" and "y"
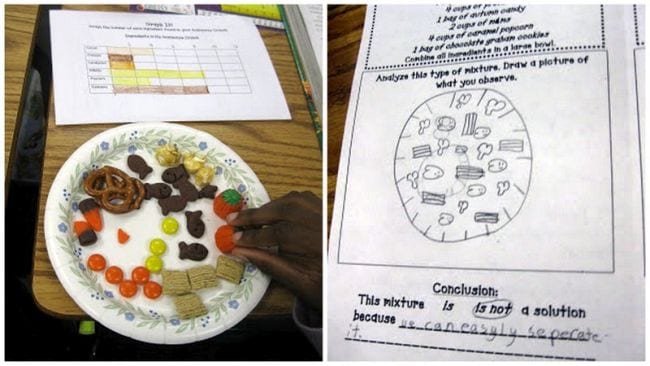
{"x": 292, "y": 223}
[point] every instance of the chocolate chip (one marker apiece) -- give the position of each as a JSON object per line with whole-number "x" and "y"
{"x": 195, "y": 225}
{"x": 157, "y": 190}
{"x": 175, "y": 174}
{"x": 137, "y": 164}
{"x": 187, "y": 190}
{"x": 87, "y": 205}
{"x": 208, "y": 191}
{"x": 87, "y": 237}
{"x": 172, "y": 204}
{"x": 194, "y": 251}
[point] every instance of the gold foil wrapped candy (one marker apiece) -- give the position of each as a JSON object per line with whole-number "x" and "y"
{"x": 168, "y": 155}
{"x": 204, "y": 176}
{"x": 192, "y": 162}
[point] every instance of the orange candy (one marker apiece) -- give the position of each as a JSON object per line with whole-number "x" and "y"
{"x": 223, "y": 238}
{"x": 90, "y": 210}
{"x": 227, "y": 202}
{"x": 152, "y": 290}
{"x": 140, "y": 275}
{"x": 122, "y": 236}
{"x": 94, "y": 219}
{"x": 114, "y": 275}
{"x": 80, "y": 227}
{"x": 96, "y": 262}
{"x": 128, "y": 288}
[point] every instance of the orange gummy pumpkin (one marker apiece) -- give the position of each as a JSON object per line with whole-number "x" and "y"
{"x": 223, "y": 238}
{"x": 227, "y": 202}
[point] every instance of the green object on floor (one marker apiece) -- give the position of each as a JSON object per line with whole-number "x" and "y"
{"x": 87, "y": 327}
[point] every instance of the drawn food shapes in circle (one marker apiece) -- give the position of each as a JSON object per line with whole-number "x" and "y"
{"x": 464, "y": 173}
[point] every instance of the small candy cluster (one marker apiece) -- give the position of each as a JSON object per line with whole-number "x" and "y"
{"x": 128, "y": 287}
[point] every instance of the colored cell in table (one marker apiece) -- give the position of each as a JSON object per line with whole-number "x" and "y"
{"x": 122, "y": 65}
{"x": 123, "y": 73}
{"x": 125, "y": 81}
{"x": 120, "y": 58}
{"x": 126, "y": 89}
{"x": 119, "y": 50}
{"x": 147, "y": 73}
{"x": 195, "y": 89}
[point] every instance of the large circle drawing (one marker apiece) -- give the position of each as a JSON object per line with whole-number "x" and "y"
{"x": 463, "y": 165}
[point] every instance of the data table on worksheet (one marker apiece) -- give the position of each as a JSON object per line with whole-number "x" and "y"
{"x": 152, "y": 70}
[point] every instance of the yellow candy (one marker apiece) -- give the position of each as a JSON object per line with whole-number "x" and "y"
{"x": 153, "y": 263}
{"x": 192, "y": 162}
{"x": 169, "y": 225}
{"x": 204, "y": 176}
{"x": 157, "y": 246}
{"x": 168, "y": 155}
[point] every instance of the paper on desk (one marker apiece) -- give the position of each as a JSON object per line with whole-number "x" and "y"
{"x": 120, "y": 67}
{"x": 313, "y": 18}
{"x": 488, "y": 203}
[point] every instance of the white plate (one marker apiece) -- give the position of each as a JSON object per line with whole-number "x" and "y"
{"x": 153, "y": 321}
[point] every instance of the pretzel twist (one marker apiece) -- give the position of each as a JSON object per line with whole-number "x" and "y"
{"x": 116, "y": 191}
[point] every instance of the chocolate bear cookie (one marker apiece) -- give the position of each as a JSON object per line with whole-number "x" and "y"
{"x": 175, "y": 174}
{"x": 208, "y": 191}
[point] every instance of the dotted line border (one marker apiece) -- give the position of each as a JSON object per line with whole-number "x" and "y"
{"x": 440, "y": 348}
{"x": 372, "y": 30}
{"x": 481, "y": 57}
{"x": 636, "y": 26}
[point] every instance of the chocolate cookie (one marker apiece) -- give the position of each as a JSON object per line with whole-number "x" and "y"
{"x": 194, "y": 251}
{"x": 172, "y": 204}
{"x": 137, "y": 164}
{"x": 157, "y": 190}
{"x": 195, "y": 225}
{"x": 187, "y": 190}
{"x": 208, "y": 191}
{"x": 175, "y": 174}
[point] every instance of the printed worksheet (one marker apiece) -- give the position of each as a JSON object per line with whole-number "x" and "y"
{"x": 121, "y": 67}
{"x": 489, "y": 200}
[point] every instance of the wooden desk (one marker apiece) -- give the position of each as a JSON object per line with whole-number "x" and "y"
{"x": 284, "y": 155}
{"x": 20, "y": 23}
{"x": 344, "y": 30}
